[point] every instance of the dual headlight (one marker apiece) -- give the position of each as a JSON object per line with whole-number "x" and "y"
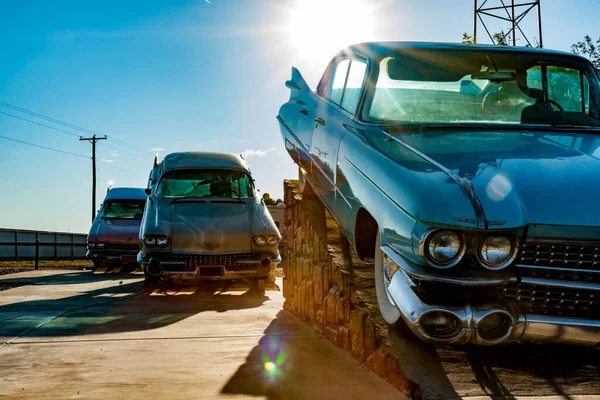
{"x": 156, "y": 241}
{"x": 269, "y": 240}
{"x": 95, "y": 245}
{"x": 445, "y": 248}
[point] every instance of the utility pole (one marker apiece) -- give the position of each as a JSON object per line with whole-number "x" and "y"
{"x": 93, "y": 141}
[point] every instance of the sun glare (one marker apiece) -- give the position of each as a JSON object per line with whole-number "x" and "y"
{"x": 320, "y": 28}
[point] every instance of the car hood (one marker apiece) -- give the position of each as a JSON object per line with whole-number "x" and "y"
{"x": 519, "y": 177}
{"x": 115, "y": 230}
{"x": 210, "y": 227}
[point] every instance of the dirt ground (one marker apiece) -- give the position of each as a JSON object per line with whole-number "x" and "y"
{"x": 13, "y": 267}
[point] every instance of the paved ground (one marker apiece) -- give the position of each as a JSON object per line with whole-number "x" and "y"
{"x": 78, "y": 335}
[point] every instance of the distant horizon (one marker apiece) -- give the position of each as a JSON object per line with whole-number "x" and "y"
{"x": 184, "y": 76}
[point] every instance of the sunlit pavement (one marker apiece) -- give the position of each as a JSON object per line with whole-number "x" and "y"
{"x": 78, "y": 335}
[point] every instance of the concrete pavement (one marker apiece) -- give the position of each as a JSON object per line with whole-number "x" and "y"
{"x": 79, "y": 335}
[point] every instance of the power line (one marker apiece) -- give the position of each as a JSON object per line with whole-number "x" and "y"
{"x": 62, "y": 151}
{"x": 67, "y": 132}
{"x": 44, "y": 147}
{"x": 37, "y": 123}
{"x": 68, "y": 125}
{"x": 122, "y": 150}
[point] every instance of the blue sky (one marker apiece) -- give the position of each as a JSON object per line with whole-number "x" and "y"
{"x": 184, "y": 75}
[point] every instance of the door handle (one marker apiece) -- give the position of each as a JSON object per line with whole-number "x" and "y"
{"x": 319, "y": 121}
{"x": 304, "y": 111}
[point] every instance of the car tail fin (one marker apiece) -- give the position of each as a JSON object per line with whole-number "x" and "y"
{"x": 296, "y": 84}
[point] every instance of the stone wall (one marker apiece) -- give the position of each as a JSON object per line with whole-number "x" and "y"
{"x": 326, "y": 286}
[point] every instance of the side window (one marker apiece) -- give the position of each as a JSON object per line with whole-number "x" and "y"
{"x": 335, "y": 88}
{"x": 353, "y": 86}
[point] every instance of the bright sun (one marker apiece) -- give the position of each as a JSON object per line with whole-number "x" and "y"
{"x": 320, "y": 28}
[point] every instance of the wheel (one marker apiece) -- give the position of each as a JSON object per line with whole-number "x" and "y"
{"x": 258, "y": 285}
{"x": 303, "y": 184}
{"x": 150, "y": 280}
{"x": 97, "y": 264}
{"x": 388, "y": 310}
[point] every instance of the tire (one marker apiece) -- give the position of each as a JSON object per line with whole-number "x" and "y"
{"x": 97, "y": 264}
{"x": 258, "y": 285}
{"x": 151, "y": 280}
{"x": 303, "y": 184}
{"x": 388, "y": 310}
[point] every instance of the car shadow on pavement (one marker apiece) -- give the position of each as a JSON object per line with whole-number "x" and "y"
{"x": 292, "y": 361}
{"x": 123, "y": 307}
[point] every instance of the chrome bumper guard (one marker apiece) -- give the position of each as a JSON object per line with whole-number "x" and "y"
{"x": 525, "y": 327}
{"x": 254, "y": 262}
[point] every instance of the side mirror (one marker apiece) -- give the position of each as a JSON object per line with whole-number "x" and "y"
{"x": 292, "y": 85}
{"x": 148, "y": 191}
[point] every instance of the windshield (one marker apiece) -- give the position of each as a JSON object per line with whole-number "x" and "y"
{"x": 205, "y": 183}
{"x": 468, "y": 86}
{"x": 124, "y": 209}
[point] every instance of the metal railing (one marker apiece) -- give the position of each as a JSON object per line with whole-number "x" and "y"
{"x": 21, "y": 245}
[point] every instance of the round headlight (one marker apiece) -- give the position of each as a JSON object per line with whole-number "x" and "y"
{"x": 272, "y": 240}
{"x": 260, "y": 240}
{"x": 91, "y": 245}
{"x": 496, "y": 252}
{"x": 162, "y": 241}
{"x": 100, "y": 245}
{"x": 149, "y": 241}
{"x": 444, "y": 248}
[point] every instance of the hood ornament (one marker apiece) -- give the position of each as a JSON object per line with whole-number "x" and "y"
{"x": 211, "y": 246}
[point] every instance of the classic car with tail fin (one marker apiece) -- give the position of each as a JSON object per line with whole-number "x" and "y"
{"x": 471, "y": 175}
{"x": 114, "y": 233}
{"x": 204, "y": 220}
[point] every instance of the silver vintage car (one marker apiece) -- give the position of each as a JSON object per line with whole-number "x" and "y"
{"x": 204, "y": 220}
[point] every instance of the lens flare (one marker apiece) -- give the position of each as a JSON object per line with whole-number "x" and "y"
{"x": 270, "y": 367}
{"x": 498, "y": 188}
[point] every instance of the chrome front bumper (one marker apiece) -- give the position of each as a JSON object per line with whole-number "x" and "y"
{"x": 525, "y": 327}
{"x": 178, "y": 267}
{"x": 110, "y": 255}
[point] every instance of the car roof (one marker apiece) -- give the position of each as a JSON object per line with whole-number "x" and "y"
{"x": 126, "y": 193}
{"x": 378, "y": 49}
{"x": 202, "y": 159}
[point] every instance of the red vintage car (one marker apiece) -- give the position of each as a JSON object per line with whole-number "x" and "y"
{"x": 113, "y": 237}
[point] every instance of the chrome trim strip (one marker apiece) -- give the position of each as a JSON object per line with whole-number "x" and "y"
{"x": 556, "y": 268}
{"x": 543, "y": 328}
{"x": 555, "y": 283}
{"x": 463, "y": 183}
{"x": 562, "y": 241}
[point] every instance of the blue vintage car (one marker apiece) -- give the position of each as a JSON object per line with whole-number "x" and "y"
{"x": 471, "y": 174}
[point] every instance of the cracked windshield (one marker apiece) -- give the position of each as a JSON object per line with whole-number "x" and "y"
{"x": 300, "y": 199}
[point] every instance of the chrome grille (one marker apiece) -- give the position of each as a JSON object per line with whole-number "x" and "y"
{"x": 557, "y": 255}
{"x": 122, "y": 246}
{"x": 554, "y": 301}
{"x": 575, "y": 262}
{"x": 226, "y": 260}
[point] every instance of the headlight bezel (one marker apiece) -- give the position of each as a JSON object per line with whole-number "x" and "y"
{"x": 162, "y": 241}
{"x": 259, "y": 240}
{"x": 424, "y": 244}
{"x": 275, "y": 241}
{"x": 149, "y": 241}
{"x": 514, "y": 240}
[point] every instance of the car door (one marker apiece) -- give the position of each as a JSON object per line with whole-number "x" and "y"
{"x": 341, "y": 97}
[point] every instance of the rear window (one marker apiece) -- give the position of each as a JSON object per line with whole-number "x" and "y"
{"x": 206, "y": 183}
{"x": 124, "y": 209}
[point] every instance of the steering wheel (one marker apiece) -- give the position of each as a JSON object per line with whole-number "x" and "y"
{"x": 493, "y": 98}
